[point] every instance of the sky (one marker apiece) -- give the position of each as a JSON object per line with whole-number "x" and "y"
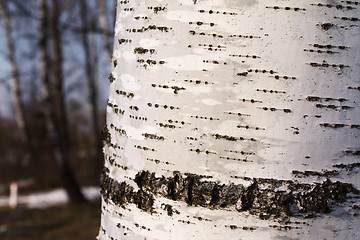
{"x": 74, "y": 70}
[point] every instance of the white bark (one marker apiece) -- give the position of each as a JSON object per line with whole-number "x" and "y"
{"x": 14, "y": 77}
{"x": 239, "y": 91}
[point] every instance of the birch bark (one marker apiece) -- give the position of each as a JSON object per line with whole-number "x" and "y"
{"x": 233, "y": 119}
{"x": 14, "y": 80}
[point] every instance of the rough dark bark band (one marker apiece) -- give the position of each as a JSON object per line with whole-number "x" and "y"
{"x": 262, "y": 198}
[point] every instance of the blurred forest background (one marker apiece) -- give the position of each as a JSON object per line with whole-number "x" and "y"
{"x": 54, "y": 68}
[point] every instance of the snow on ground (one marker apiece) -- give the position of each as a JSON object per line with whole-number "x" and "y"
{"x": 49, "y": 198}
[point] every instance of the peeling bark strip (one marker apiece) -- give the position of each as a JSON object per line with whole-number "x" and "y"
{"x": 258, "y": 100}
{"x": 262, "y": 198}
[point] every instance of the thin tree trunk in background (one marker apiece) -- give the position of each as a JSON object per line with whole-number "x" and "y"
{"x": 114, "y": 12}
{"x": 104, "y": 25}
{"x": 70, "y": 184}
{"x": 233, "y": 119}
{"x": 15, "y": 91}
{"x": 59, "y": 98}
{"x": 90, "y": 77}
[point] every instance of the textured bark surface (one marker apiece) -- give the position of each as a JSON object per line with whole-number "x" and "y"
{"x": 236, "y": 119}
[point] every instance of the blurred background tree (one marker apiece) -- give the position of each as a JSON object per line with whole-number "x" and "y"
{"x": 65, "y": 44}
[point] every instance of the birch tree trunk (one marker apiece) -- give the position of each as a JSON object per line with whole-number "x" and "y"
{"x": 59, "y": 95}
{"x": 14, "y": 81}
{"x": 91, "y": 84}
{"x": 70, "y": 184}
{"x": 234, "y": 119}
{"x": 104, "y": 25}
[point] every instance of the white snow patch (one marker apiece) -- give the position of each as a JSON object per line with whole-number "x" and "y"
{"x": 50, "y": 198}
